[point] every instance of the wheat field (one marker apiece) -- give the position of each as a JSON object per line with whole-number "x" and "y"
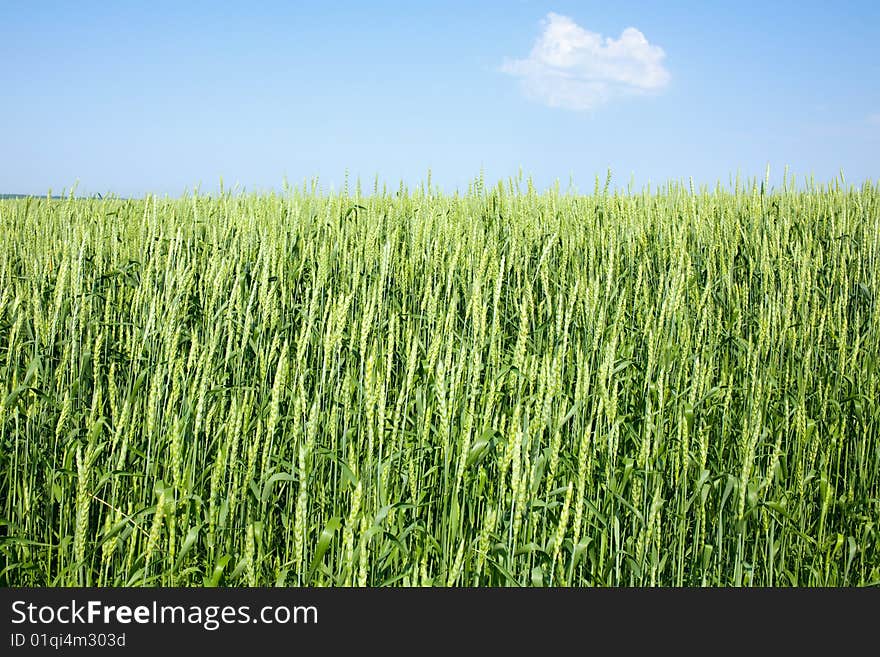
{"x": 500, "y": 387}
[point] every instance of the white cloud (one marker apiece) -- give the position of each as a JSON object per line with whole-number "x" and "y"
{"x": 874, "y": 119}
{"x": 573, "y": 68}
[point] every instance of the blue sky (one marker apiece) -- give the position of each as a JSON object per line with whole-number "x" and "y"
{"x": 160, "y": 97}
